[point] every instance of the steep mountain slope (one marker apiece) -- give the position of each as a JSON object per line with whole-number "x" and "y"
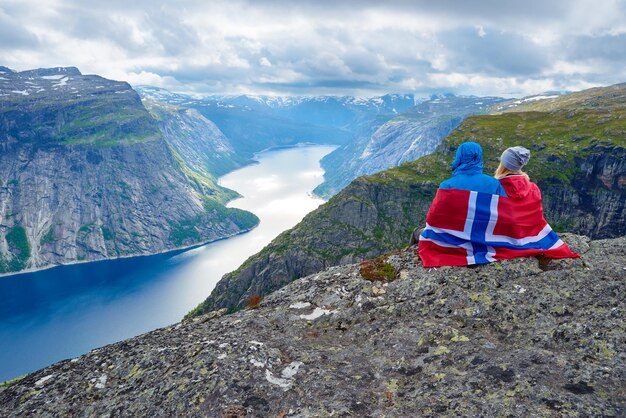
{"x": 86, "y": 174}
{"x": 374, "y": 133}
{"x": 578, "y": 159}
{"x": 204, "y": 147}
{"x": 253, "y": 123}
{"x": 515, "y": 338}
{"x": 410, "y": 135}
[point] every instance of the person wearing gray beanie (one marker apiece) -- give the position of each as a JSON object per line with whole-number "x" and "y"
{"x": 515, "y": 158}
{"x": 512, "y": 161}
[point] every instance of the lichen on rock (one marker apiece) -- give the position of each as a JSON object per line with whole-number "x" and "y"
{"x": 513, "y": 338}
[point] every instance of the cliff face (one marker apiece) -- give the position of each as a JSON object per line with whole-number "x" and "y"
{"x": 366, "y": 219}
{"x": 578, "y": 160}
{"x": 596, "y": 203}
{"x": 408, "y": 136}
{"x": 194, "y": 138}
{"x": 515, "y": 338}
{"x": 86, "y": 174}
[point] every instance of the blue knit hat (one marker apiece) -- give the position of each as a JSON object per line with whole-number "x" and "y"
{"x": 515, "y": 158}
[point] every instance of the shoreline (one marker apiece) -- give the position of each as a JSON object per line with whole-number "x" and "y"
{"x": 170, "y": 258}
{"x": 182, "y": 248}
{"x": 177, "y": 250}
{"x": 296, "y": 145}
{"x": 254, "y": 160}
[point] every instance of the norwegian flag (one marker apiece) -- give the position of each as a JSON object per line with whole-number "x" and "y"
{"x": 466, "y": 227}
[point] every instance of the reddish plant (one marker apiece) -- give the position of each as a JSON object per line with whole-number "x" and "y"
{"x": 377, "y": 270}
{"x": 254, "y": 301}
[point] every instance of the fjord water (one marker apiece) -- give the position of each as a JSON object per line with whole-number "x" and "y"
{"x": 65, "y": 311}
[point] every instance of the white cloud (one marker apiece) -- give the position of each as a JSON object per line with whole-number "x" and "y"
{"x": 152, "y": 79}
{"x": 570, "y": 68}
{"x": 313, "y": 47}
{"x": 485, "y": 85}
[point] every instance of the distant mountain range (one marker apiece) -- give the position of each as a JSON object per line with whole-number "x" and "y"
{"x": 254, "y": 123}
{"x": 373, "y": 133}
{"x": 412, "y": 134}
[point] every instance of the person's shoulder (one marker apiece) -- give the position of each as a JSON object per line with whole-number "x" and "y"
{"x": 534, "y": 186}
{"x": 495, "y": 184}
{"x": 490, "y": 179}
{"x": 520, "y": 178}
{"x": 447, "y": 184}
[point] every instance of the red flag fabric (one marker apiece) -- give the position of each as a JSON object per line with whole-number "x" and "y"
{"x": 465, "y": 227}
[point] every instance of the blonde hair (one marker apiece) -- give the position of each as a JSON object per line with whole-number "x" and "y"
{"x": 502, "y": 172}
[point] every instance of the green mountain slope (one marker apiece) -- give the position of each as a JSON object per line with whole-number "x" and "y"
{"x": 578, "y": 160}
{"x": 384, "y": 143}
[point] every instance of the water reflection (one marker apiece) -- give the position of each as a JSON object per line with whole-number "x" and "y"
{"x": 63, "y": 312}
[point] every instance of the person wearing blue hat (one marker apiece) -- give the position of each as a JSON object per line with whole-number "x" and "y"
{"x": 467, "y": 172}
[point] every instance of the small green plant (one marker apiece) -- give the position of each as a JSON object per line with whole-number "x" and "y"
{"x": 11, "y": 382}
{"x": 106, "y": 233}
{"x": 377, "y": 270}
{"x": 48, "y": 238}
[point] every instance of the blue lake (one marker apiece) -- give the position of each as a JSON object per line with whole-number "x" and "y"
{"x": 65, "y": 311}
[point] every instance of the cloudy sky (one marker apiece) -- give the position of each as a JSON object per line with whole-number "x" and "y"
{"x": 363, "y": 48}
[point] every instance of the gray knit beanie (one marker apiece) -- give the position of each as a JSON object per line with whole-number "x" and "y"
{"x": 515, "y": 158}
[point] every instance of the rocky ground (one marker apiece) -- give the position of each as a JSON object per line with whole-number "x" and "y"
{"x": 525, "y": 337}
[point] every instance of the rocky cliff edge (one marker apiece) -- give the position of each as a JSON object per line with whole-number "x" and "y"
{"x": 525, "y": 337}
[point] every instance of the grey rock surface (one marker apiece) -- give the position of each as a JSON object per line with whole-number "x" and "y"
{"x": 523, "y": 337}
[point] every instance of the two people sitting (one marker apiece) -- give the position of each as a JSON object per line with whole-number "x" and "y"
{"x": 476, "y": 218}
